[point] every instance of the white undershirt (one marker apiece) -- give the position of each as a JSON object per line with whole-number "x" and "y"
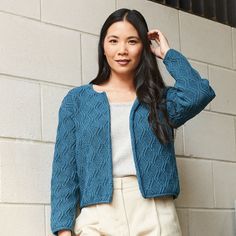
{"x": 122, "y": 155}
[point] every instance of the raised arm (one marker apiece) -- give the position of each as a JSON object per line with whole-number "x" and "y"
{"x": 190, "y": 94}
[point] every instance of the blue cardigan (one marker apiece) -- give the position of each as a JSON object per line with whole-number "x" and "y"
{"x": 82, "y": 164}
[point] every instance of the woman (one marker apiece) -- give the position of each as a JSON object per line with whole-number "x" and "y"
{"x": 114, "y": 157}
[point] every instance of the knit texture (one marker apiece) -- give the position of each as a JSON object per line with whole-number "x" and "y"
{"x": 82, "y": 164}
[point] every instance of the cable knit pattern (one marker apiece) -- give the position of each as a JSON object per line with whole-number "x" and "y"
{"x": 82, "y": 164}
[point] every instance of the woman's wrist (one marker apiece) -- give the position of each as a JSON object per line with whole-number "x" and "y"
{"x": 165, "y": 53}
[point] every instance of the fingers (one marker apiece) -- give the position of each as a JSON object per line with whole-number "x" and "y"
{"x": 156, "y": 35}
{"x": 154, "y": 31}
{"x": 153, "y": 36}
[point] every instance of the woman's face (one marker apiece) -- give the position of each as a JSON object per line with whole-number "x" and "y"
{"x": 122, "y": 48}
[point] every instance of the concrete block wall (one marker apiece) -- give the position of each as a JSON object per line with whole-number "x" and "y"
{"x": 48, "y": 47}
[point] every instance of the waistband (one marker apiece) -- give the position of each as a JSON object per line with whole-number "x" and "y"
{"x": 125, "y": 182}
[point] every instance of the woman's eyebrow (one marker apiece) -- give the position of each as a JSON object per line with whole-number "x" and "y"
{"x": 136, "y": 37}
{"x": 112, "y": 36}
{"x": 130, "y": 37}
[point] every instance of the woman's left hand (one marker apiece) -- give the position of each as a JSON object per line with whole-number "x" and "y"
{"x": 162, "y": 43}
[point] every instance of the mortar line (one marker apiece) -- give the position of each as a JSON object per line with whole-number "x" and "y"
{"x": 32, "y": 80}
{"x": 32, "y": 141}
{"x": 179, "y": 26}
{"x": 40, "y": 10}
{"x": 213, "y": 183}
{"x": 41, "y": 111}
{"x": 204, "y": 159}
{"x": 81, "y": 58}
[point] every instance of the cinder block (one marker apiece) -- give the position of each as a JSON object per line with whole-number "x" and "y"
{"x": 20, "y": 104}
{"x": 86, "y": 16}
{"x": 211, "y": 222}
{"x": 26, "y": 171}
{"x": 224, "y": 184}
{"x": 89, "y": 47}
{"x": 39, "y": 51}
{"x": 183, "y": 220}
{"x": 234, "y": 47}
{"x": 179, "y": 143}
{"x": 224, "y": 83}
{"x": 158, "y": 17}
{"x": 17, "y": 220}
{"x": 210, "y": 135}
{"x": 196, "y": 183}
{"x": 29, "y": 8}
{"x": 205, "y": 40}
{"x": 48, "y": 215}
{"x": 51, "y": 100}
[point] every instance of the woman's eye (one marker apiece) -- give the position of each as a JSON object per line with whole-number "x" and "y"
{"x": 132, "y": 42}
{"x": 113, "y": 41}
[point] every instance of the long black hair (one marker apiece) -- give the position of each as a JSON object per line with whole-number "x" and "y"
{"x": 148, "y": 82}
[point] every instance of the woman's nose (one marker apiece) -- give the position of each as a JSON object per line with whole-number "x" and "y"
{"x": 123, "y": 49}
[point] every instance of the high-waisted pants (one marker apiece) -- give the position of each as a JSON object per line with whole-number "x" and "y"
{"x": 129, "y": 214}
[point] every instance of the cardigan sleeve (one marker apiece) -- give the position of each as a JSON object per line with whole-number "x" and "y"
{"x": 190, "y": 93}
{"x": 64, "y": 180}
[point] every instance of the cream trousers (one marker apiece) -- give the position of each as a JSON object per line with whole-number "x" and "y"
{"x": 129, "y": 214}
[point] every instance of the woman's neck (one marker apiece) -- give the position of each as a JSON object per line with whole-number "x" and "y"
{"x": 121, "y": 83}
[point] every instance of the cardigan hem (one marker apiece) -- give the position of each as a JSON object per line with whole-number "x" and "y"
{"x": 175, "y": 195}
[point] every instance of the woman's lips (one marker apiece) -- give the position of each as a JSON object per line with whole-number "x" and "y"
{"x": 123, "y": 62}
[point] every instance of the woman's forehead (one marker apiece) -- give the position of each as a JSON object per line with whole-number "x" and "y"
{"x": 122, "y": 28}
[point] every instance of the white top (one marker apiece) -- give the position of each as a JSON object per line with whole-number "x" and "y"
{"x": 122, "y": 155}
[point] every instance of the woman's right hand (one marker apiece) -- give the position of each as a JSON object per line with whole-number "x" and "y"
{"x": 64, "y": 233}
{"x": 162, "y": 46}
